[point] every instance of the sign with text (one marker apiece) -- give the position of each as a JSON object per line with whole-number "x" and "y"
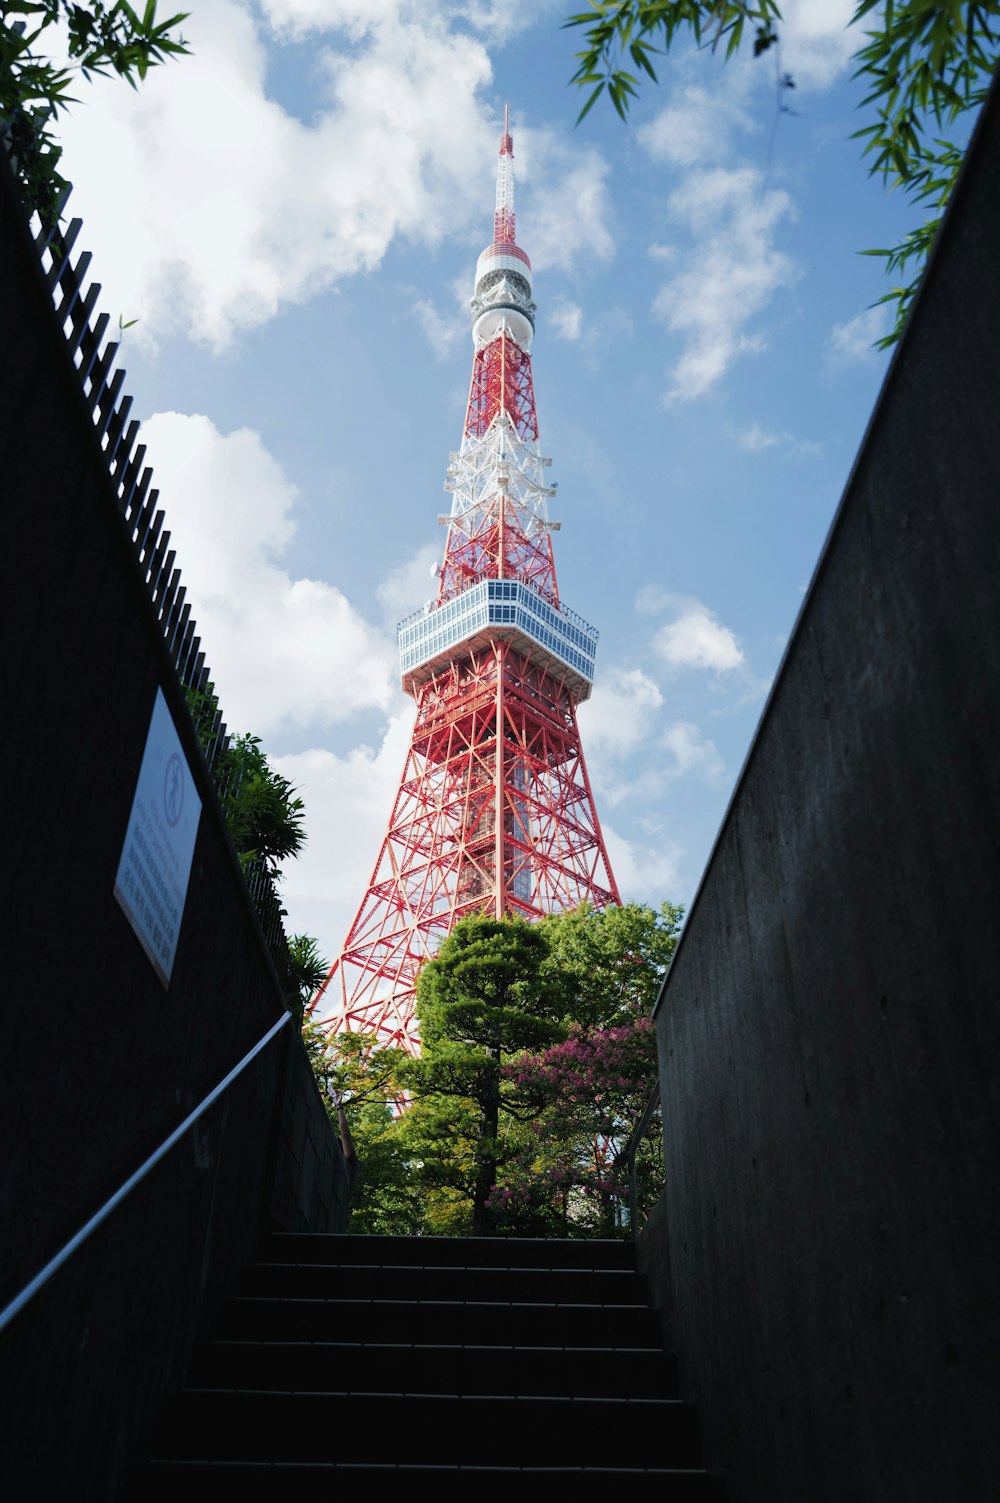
{"x": 155, "y": 864}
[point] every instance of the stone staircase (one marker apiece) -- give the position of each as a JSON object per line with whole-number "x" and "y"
{"x": 461, "y": 1361}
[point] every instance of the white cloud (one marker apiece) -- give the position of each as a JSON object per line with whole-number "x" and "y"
{"x": 347, "y": 800}
{"x": 283, "y": 651}
{"x": 650, "y": 600}
{"x": 593, "y": 335}
{"x": 756, "y": 439}
{"x": 728, "y": 278}
{"x": 301, "y": 18}
{"x": 731, "y": 269}
{"x": 235, "y": 207}
{"x": 817, "y": 41}
{"x": 616, "y": 723}
{"x": 501, "y": 19}
{"x": 568, "y": 220}
{"x": 566, "y": 319}
{"x": 691, "y": 751}
{"x": 411, "y": 583}
{"x": 697, "y": 125}
{"x": 496, "y": 19}
{"x": 442, "y": 330}
{"x": 852, "y": 343}
{"x": 644, "y": 873}
{"x": 697, "y": 639}
{"x": 619, "y": 713}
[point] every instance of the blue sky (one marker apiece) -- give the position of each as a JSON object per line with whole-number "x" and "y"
{"x": 306, "y": 198}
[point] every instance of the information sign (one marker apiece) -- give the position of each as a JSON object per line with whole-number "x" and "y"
{"x": 155, "y": 866}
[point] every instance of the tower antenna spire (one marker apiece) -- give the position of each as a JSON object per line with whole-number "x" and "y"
{"x": 494, "y": 811}
{"x": 503, "y": 218}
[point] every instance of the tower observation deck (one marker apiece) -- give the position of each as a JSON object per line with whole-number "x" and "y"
{"x": 494, "y": 811}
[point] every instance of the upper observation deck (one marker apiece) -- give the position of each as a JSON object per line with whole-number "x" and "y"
{"x": 549, "y": 635}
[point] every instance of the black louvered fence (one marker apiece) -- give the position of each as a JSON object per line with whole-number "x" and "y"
{"x": 74, "y": 302}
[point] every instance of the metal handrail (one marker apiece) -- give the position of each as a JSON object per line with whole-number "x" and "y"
{"x": 628, "y": 1157}
{"x": 30, "y": 1289}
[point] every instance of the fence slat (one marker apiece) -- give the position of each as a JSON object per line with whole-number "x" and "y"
{"x": 183, "y": 638}
{"x": 171, "y": 626}
{"x": 66, "y": 243}
{"x": 70, "y": 283}
{"x": 154, "y": 561}
{"x": 90, "y": 347}
{"x": 121, "y": 434}
{"x": 106, "y": 410}
{"x": 134, "y": 484}
{"x": 99, "y": 376}
{"x": 152, "y": 534}
{"x": 136, "y": 499}
{"x": 169, "y": 585}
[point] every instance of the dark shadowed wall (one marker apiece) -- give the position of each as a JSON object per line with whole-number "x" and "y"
{"x": 829, "y": 1029}
{"x": 99, "y": 1062}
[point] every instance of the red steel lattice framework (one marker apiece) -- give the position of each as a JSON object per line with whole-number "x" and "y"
{"x": 494, "y": 811}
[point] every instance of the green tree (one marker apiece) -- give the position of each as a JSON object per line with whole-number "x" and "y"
{"x": 101, "y": 39}
{"x": 307, "y": 970}
{"x": 492, "y": 991}
{"x": 265, "y": 816}
{"x": 538, "y": 1057}
{"x": 266, "y": 822}
{"x": 925, "y": 64}
{"x": 590, "y": 1088}
{"x": 387, "y": 1196}
{"x": 618, "y": 956}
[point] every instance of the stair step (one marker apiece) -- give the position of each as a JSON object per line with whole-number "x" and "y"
{"x": 230, "y": 1425}
{"x": 576, "y": 1372}
{"x": 480, "y": 1323}
{"x": 451, "y": 1361}
{"x": 404, "y": 1282}
{"x": 447, "y": 1252}
{"x": 165, "y": 1481}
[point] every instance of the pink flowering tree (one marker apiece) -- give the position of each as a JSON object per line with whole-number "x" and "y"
{"x": 589, "y": 1089}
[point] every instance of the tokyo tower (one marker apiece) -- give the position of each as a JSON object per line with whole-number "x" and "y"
{"x": 494, "y": 812}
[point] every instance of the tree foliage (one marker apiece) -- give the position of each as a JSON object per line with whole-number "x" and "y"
{"x": 386, "y": 1196}
{"x": 618, "y": 957}
{"x": 101, "y": 39}
{"x": 925, "y": 64}
{"x": 266, "y": 822}
{"x": 591, "y": 1088}
{"x": 262, "y": 810}
{"x": 538, "y": 1058}
{"x": 492, "y": 992}
{"x": 307, "y": 969}
{"x": 266, "y": 818}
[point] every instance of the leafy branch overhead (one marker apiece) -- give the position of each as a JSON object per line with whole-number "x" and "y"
{"x": 925, "y": 63}
{"x": 102, "y": 40}
{"x": 620, "y": 29}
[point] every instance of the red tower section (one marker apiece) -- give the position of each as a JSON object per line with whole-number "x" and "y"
{"x": 494, "y": 811}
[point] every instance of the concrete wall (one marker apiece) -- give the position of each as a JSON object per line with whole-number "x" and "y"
{"x": 98, "y": 1061}
{"x": 829, "y": 1029}
{"x": 310, "y": 1186}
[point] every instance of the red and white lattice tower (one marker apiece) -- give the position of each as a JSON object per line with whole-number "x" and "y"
{"x": 494, "y": 811}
